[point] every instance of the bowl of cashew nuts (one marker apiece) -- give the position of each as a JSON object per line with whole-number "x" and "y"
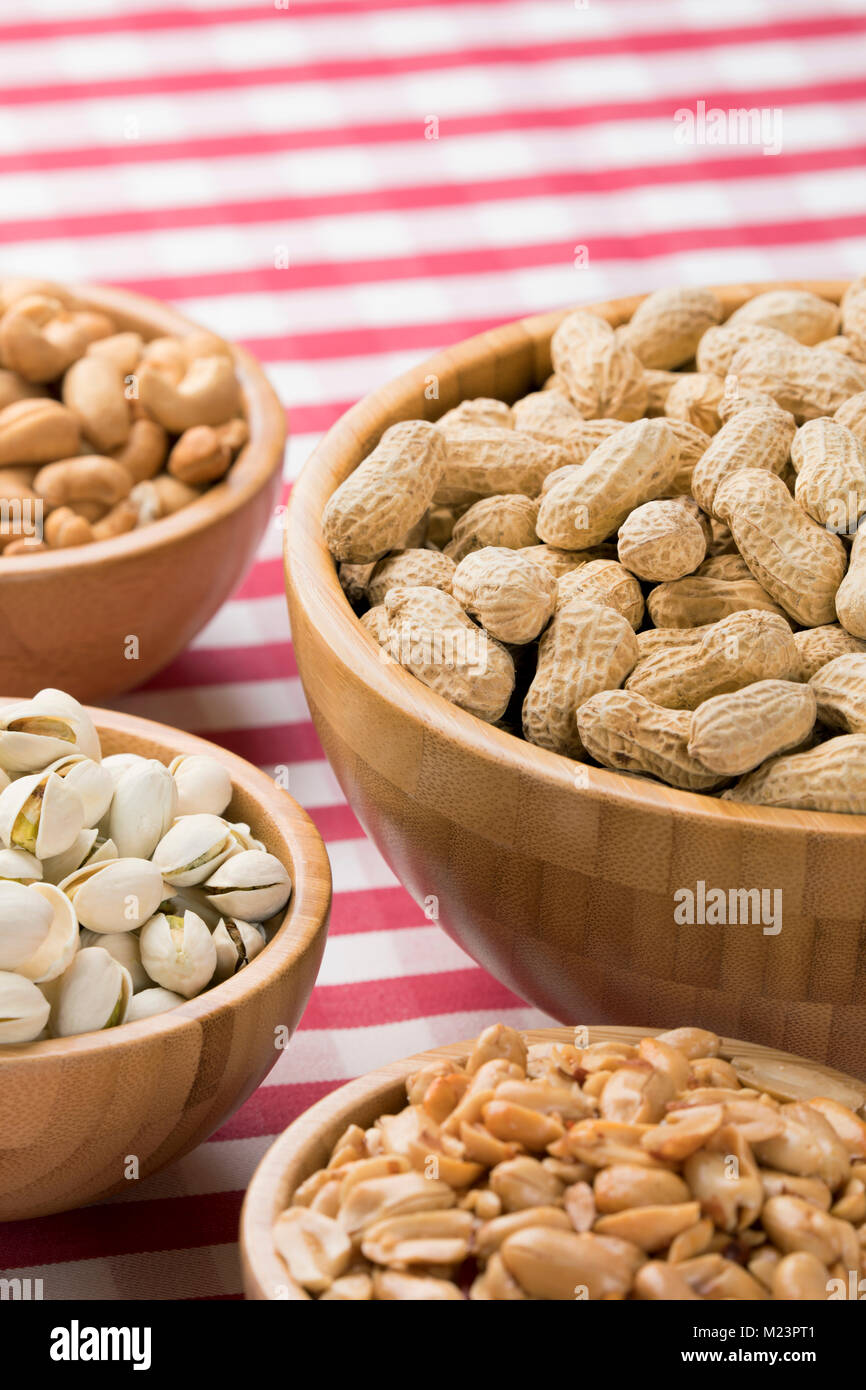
{"x": 140, "y": 461}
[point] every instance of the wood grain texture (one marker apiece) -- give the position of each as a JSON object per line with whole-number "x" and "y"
{"x": 562, "y": 887}
{"x": 65, "y": 617}
{"x": 306, "y": 1145}
{"x": 72, "y": 1110}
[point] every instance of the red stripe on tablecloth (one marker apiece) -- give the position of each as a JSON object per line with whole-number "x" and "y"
{"x": 149, "y": 21}
{"x": 249, "y": 144}
{"x": 263, "y": 580}
{"x": 271, "y": 1108}
{"x": 396, "y": 65}
{"x": 219, "y": 665}
{"x": 373, "y": 909}
{"x": 409, "y": 196}
{"x": 411, "y": 996}
{"x": 315, "y": 419}
{"x": 168, "y": 1223}
{"x": 336, "y": 822}
{"x": 270, "y": 743}
{"x": 483, "y": 260}
{"x": 328, "y": 345}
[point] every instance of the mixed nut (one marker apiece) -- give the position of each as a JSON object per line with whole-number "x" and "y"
{"x": 656, "y": 562}
{"x": 123, "y": 888}
{"x": 658, "y": 1170}
{"x": 101, "y": 431}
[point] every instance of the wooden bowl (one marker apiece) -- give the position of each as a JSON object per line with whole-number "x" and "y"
{"x": 559, "y": 878}
{"x": 73, "y": 1110}
{"x": 306, "y": 1145}
{"x": 67, "y": 616}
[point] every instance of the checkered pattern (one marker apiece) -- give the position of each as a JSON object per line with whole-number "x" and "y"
{"x": 427, "y": 168}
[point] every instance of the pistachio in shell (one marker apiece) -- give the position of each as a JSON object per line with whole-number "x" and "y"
{"x": 39, "y": 813}
{"x": 92, "y": 782}
{"x": 24, "y": 1009}
{"x": 243, "y": 837}
{"x": 17, "y": 866}
{"x": 142, "y": 809}
{"x": 178, "y": 952}
{"x": 193, "y": 848}
{"x": 35, "y": 733}
{"x": 251, "y": 886}
{"x": 118, "y": 763}
{"x": 25, "y": 922}
{"x": 53, "y": 956}
{"x": 124, "y": 947}
{"x": 237, "y": 943}
{"x": 87, "y": 848}
{"x": 149, "y": 1002}
{"x": 94, "y": 994}
{"x": 115, "y": 896}
{"x": 203, "y": 784}
{"x": 196, "y": 899}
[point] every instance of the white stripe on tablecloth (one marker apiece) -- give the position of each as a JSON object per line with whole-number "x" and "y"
{"x": 573, "y": 219}
{"x": 314, "y": 784}
{"x": 357, "y": 864}
{"x": 277, "y": 37}
{"x": 222, "y": 1166}
{"x": 237, "y": 705}
{"x": 299, "y": 449}
{"x": 246, "y": 623}
{"x": 451, "y": 158}
{"x": 696, "y": 13}
{"x": 350, "y": 957}
{"x": 443, "y": 92}
{"x": 319, "y": 1055}
{"x": 46, "y": 10}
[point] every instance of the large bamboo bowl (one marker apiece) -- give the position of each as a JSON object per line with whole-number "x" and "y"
{"x": 306, "y": 1145}
{"x": 66, "y": 616}
{"x": 563, "y": 887}
{"x": 73, "y": 1110}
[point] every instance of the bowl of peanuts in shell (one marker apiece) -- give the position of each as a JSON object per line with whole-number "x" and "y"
{"x": 565, "y": 1164}
{"x": 579, "y": 606}
{"x": 140, "y": 462}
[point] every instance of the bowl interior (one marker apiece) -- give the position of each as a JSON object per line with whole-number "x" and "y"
{"x": 257, "y": 462}
{"x": 285, "y": 829}
{"x": 507, "y": 363}
{"x": 307, "y": 1144}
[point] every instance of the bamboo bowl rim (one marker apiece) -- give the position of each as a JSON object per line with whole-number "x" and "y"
{"x": 305, "y": 917}
{"x": 312, "y": 581}
{"x": 255, "y": 464}
{"x": 299, "y": 1150}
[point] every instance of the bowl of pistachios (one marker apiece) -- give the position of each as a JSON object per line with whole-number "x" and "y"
{"x": 163, "y": 912}
{"x": 140, "y": 462}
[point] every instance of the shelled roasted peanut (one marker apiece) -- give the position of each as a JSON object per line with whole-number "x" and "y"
{"x": 123, "y": 887}
{"x": 702, "y": 479}
{"x": 657, "y": 1170}
{"x": 100, "y": 431}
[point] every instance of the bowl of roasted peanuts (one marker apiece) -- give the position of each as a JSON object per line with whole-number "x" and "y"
{"x": 579, "y": 606}
{"x": 140, "y": 461}
{"x": 569, "y": 1164}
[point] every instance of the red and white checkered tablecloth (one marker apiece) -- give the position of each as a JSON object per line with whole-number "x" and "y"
{"x": 268, "y": 166}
